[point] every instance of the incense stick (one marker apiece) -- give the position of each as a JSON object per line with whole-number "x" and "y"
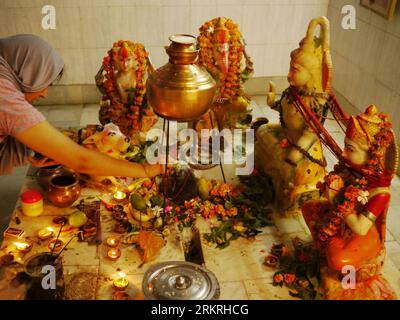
{"x": 55, "y": 243}
{"x": 65, "y": 247}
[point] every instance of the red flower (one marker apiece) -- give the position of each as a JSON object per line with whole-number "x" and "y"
{"x": 290, "y": 278}
{"x": 284, "y": 143}
{"x": 278, "y": 278}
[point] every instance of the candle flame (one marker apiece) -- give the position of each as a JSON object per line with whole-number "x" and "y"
{"x": 21, "y": 245}
{"x": 50, "y": 229}
{"x": 121, "y": 274}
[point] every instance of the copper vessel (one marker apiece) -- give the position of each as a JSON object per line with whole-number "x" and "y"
{"x": 181, "y": 90}
{"x": 44, "y": 174}
{"x": 63, "y": 190}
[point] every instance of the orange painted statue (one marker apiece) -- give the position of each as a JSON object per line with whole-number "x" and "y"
{"x": 349, "y": 226}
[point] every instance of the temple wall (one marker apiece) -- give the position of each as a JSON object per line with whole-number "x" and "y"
{"x": 86, "y": 29}
{"x": 367, "y": 60}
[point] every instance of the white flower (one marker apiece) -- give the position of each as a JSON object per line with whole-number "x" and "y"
{"x": 363, "y": 197}
{"x": 157, "y": 210}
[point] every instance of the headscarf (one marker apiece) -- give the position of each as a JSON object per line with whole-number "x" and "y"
{"x": 29, "y": 62}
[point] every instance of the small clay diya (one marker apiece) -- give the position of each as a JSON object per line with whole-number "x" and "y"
{"x": 114, "y": 254}
{"x": 119, "y": 196}
{"x": 46, "y": 233}
{"x": 23, "y": 247}
{"x": 56, "y": 244}
{"x": 121, "y": 283}
{"x": 112, "y": 241}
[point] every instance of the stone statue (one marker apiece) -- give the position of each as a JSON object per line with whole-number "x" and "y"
{"x": 349, "y": 225}
{"x": 121, "y": 79}
{"x": 291, "y": 152}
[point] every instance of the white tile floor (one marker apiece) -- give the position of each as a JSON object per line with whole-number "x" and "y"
{"x": 80, "y": 115}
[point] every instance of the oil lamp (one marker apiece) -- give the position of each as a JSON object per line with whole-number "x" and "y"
{"x": 23, "y": 247}
{"x": 55, "y": 245}
{"x": 119, "y": 196}
{"x": 46, "y": 233}
{"x": 121, "y": 283}
{"x": 114, "y": 254}
{"x": 112, "y": 241}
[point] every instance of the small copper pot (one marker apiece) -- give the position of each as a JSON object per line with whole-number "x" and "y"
{"x": 43, "y": 175}
{"x": 63, "y": 190}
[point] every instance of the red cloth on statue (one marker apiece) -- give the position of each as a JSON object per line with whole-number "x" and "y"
{"x": 377, "y": 204}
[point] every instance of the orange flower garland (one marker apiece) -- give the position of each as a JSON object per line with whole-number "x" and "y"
{"x": 127, "y": 116}
{"x": 230, "y": 86}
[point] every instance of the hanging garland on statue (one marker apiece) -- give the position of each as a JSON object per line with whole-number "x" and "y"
{"x": 127, "y": 116}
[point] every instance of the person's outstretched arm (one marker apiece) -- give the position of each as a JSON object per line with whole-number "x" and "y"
{"x": 50, "y": 142}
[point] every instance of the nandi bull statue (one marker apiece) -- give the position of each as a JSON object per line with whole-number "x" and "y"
{"x": 290, "y": 152}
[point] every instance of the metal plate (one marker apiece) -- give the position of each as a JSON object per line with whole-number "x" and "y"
{"x": 180, "y": 280}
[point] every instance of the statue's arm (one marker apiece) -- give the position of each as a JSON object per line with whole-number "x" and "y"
{"x": 305, "y": 142}
{"x": 362, "y": 223}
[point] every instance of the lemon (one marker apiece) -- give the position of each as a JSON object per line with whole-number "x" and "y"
{"x": 138, "y": 202}
{"x": 77, "y": 219}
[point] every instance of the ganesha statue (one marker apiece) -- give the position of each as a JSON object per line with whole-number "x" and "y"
{"x": 121, "y": 79}
{"x": 222, "y": 52}
{"x": 290, "y": 152}
{"x": 349, "y": 225}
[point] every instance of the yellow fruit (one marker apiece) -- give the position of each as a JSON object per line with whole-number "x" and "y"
{"x": 77, "y": 219}
{"x": 137, "y": 183}
{"x": 204, "y": 190}
{"x": 140, "y": 215}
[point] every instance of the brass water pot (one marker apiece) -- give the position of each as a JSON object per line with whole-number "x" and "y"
{"x": 181, "y": 90}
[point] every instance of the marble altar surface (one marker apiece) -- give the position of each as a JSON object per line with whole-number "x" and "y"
{"x": 239, "y": 267}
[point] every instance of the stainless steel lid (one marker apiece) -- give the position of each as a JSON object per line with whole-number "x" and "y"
{"x": 180, "y": 280}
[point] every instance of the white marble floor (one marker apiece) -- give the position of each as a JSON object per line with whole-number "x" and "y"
{"x": 75, "y": 115}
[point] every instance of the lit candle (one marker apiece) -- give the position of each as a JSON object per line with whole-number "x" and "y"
{"x": 114, "y": 254}
{"x": 112, "y": 241}
{"x": 121, "y": 283}
{"x": 56, "y": 244}
{"x": 23, "y": 247}
{"x": 119, "y": 196}
{"x": 46, "y": 233}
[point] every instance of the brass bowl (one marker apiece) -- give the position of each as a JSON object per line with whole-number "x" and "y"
{"x": 63, "y": 190}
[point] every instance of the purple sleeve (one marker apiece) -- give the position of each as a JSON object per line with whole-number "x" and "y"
{"x": 16, "y": 114}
